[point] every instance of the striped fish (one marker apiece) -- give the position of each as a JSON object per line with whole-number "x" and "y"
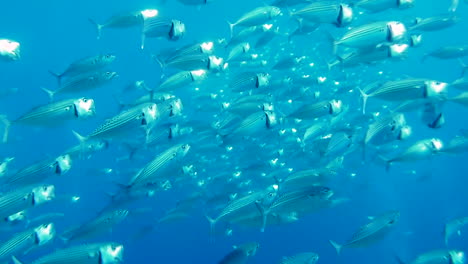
{"x": 255, "y": 17}
{"x": 302, "y": 258}
{"x": 326, "y": 12}
{"x": 371, "y": 232}
{"x": 24, "y": 198}
{"x": 99, "y": 253}
{"x": 23, "y": 242}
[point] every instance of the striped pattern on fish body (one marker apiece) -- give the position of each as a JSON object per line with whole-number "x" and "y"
{"x": 255, "y": 123}
{"x": 366, "y": 35}
{"x": 338, "y": 142}
{"x": 157, "y": 27}
{"x": 189, "y": 62}
{"x": 320, "y": 12}
{"x": 311, "y": 111}
{"x": 384, "y": 125}
{"x": 243, "y": 81}
{"x": 15, "y": 201}
{"x": 401, "y": 90}
{"x": 87, "y": 64}
{"x": 258, "y": 16}
{"x": 84, "y": 254}
{"x": 133, "y": 117}
{"x": 450, "y": 52}
{"x": 287, "y": 199}
{"x": 150, "y": 172}
{"x": 101, "y": 224}
{"x": 175, "y": 81}
{"x": 302, "y": 258}
{"x": 240, "y": 203}
{"x": 85, "y": 82}
{"x": 434, "y": 23}
{"x": 382, "y": 5}
{"x": 52, "y": 112}
{"x": 372, "y": 229}
{"x": 34, "y": 173}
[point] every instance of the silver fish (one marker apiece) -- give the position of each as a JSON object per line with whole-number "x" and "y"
{"x": 382, "y": 5}
{"x": 83, "y": 82}
{"x": 182, "y": 79}
{"x": 458, "y": 144}
{"x": 256, "y": 17}
{"x": 443, "y": 256}
{"x": 249, "y": 80}
{"x": 448, "y": 52}
{"x": 138, "y": 117}
{"x": 21, "y": 199}
{"x": 85, "y": 65}
{"x": 311, "y": 111}
{"x": 238, "y": 51}
{"x": 101, "y": 224}
{"x": 454, "y": 226}
{"x": 152, "y": 171}
{"x": 326, "y": 12}
{"x": 434, "y": 23}
{"x": 156, "y": 27}
{"x": 420, "y": 150}
{"x": 52, "y": 114}
{"x": 109, "y": 253}
{"x": 40, "y": 171}
{"x": 132, "y": 19}
{"x": 373, "y": 34}
{"x": 195, "y": 62}
{"x": 206, "y": 48}
{"x": 240, "y": 254}
{"x": 387, "y": 128}
{"x": 23, "y": 242}
{"x": 9, "y": 50}
{"x": 301, "y": 258}
{"x": 370, "y": 233}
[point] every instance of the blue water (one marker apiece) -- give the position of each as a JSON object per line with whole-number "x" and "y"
{"x": 54, "y": 33}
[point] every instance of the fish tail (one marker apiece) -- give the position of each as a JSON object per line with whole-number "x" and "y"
{"x": 264, "y": 212}
{"x": 160, "y": 62}
{"x": 16, "y": 261}
{"x": 464, "y": 67}
{"x": 98, "y": 27}
{"x": 388, "y": 162}
{"x": 50, "y": 93}
{"x": 364, "y": 100}
{"x": 143, "y": 39}
{"x": 231, "y": 28}
{"x": 337, "y": 246}
{"x": 7, "y": 124}
{"x": 212, "y": 224}
{"x": 399, "y": 260}
{"x": 82, "y": 141}
{"x": 58, "y": 76}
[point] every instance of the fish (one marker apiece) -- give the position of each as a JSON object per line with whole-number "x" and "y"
{"x": 52, "y": 114}
{"x": 434, "y": 23}
{"x": 9, "y": 50}
{"x": 448, "y": 52}
{"x": 182, "y": 79}
{"x": 152, "y": 171}
{"x": 240, "y": 254}
{"x": 458, "y": 144}
{"x": 85, "y": 65}
{"x": 206, "y": 48}
{"x": 375, "y": 6}
{"x": 238, "y": 51}
{"x": 461, "y": 99}
{"x": 338, "y": 14}
{"x": 372, "y": 34}
{"x": 387, "y": 128}
{"x": 370, "y": 233}
{"x": 131, "y": 19}
{"x": 249, "y": 80}
{"x": 407, "y": 89}
{"x": 255, "y": 17}
{"x": 195, "y": 62}
{"x": 83, "y": 82}
{"x": 301, "y": 258}
{"x": 136, "y": 118}
{"x": 454, "y": 226}
{"x": 27, "y": 240}
{"x": 157, "y": 27}
{"x": 111, "y": 253}
{"x": 319, "y": 109}
{"x": 23, "y": 198}
{"x": 420, "y": 150}
{"x": 102, "y": 223}
{"x": 195, "y": 2}
{"x": 439, "y": 256}
{"x": 40, "y": 171}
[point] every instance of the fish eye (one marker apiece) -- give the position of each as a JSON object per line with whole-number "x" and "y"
{"x": 85, "y": 100}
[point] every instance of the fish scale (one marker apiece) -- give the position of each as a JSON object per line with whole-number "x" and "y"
{"x": 85, "y": 254}
{"x": 378, "y": 126}
{"x": 362, "y": 35}
{"x": 312, "y": 110}
{"x": 243, "y": 80}
{"x": 191, "y": 62}
{"x": 33, "y": 173}
{"x": 401, "y": 90}
{"x": 326, "y": 9}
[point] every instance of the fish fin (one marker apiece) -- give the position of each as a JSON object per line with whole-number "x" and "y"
{"x": 464, "y": 67}
{"x": 364, "y": 100}
{"x": 459, "y": 232}
{"x": 160, "y": 62}
{"x": 454, "y": 6}
{"x": 337, "y": 246}
{"x": 388, "y": 162}
{"x": 7, "y": 124}
{"x": 119, "y": 102}
{"x": 16, "y": 261}
{"x": 131, "y": 150}
{"x": 264, "y": 213}
{"x": 58, "y": 76}
{"x": 80, "y": 138}
{"x": 98, "y": 27}
{"x": 143, "y": 39}
{"x": 50, "y": 93}
{"x": 212, "y": 224}
{"x": 231, "y": 28}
